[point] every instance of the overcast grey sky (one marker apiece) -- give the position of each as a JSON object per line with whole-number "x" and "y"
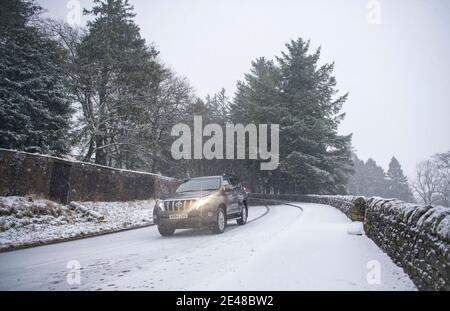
{"x": 397, "y": 72}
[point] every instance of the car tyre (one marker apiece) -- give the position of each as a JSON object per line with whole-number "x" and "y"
{"x": 221, "y": 222}
{"x": 244, "y": 216}
{"x": 166, "y": 231}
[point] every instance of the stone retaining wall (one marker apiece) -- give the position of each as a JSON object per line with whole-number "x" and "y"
{"x": 65, "y": 181}
{"x": 416, "y": 237}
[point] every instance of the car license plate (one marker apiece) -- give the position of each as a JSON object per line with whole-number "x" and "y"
{"x": 178, "y": 216}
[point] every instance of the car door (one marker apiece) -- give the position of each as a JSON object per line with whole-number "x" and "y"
{"x": 232, "y": 203}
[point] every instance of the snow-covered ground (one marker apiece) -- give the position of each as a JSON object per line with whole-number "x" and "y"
{"x": 281, "y": 248}
{"x": 25, "y": 221}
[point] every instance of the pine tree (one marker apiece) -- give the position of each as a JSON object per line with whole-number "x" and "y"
{"x": 300, "y": 96}
{"x": 376, "y": 183}
{"x": 315, "y": 155}
{"x": 357, "y": 181}
{"x": 257, "y": 98}
{"x": 368, "y": 179}
{"x": 34, "y": 109}
{"x": 257, "y": 102}
{"x": 398, "y": 183}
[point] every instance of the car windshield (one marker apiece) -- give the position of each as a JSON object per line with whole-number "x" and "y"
{"x": 200, "y": 185}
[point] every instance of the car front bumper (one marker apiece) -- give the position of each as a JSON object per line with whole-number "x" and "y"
{"x": 195, "y": 219}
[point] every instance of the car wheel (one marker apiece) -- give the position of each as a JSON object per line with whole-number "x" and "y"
{"x": 243, "y": 220}
{"x": 221, "y": 222}
{"x": 166, "y": 231}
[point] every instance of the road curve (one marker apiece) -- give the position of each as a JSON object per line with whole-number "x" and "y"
{"x": 281, "y": 248}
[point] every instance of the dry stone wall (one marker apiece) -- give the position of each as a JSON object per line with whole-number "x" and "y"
{"x": 416, "y": 237}
{"x": 65, "y": 181}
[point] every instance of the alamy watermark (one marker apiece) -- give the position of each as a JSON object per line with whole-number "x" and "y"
{"x": 74, "y": 275}
{"x": 74, "y": 16}
{"x": 373, "y": 16}
{"x": 256, "y": 147}
{"x": 373, "y": 277}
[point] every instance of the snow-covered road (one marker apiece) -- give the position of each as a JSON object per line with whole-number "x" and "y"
{"x": 282, "y": 248}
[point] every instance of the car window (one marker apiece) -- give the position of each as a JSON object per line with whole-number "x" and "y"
{"x": 226, "y": 182}
{"x": 200, "y": 184}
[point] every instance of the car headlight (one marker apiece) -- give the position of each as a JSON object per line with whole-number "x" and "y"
{"x": 160, "y": 204}
{"x": 202, "y": 202}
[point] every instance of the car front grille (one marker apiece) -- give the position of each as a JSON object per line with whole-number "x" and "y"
{"x": 179, "y": 206}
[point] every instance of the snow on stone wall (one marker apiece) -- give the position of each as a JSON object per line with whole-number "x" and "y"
{"x": 64, "y": 181}
{"x": 416, "y": 237}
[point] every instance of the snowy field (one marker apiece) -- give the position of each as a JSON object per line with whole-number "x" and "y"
{"x": 281, "y": 248}
{"x": 25, "y": 221}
